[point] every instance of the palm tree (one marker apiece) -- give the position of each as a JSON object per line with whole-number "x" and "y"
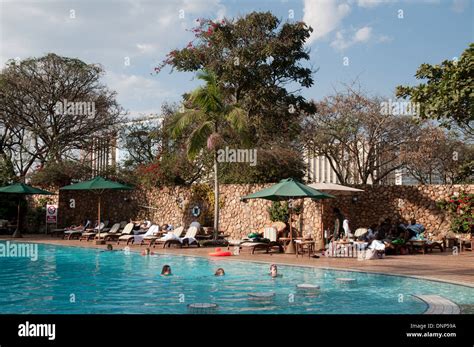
{"x": 208, "y": 116}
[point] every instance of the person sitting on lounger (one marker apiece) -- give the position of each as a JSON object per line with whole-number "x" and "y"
{"x": 371, "y": 232}
{"x": 140, "y": 224}
{"x": 375, "y": 250}
{"x": 414, "y": 230}
{"x": 219, "y": 272}
{"x": 166, "y": 271}
{"x": 81, "y": 226}
{"x": 145, "y": 225}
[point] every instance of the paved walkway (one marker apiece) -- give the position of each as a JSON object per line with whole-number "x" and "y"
{"x": 439, "y": 305}
{"x": 439, "y": 266}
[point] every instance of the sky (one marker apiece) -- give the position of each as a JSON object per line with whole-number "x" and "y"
{"x": 379, "y": 44}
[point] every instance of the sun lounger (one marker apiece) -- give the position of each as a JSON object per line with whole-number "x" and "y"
{"x": 89, "y": 234}
{"x": 148, "y": 240}
{"x": 152, "y": 231}
{"x": 269, "y": 233}
{"x": 70, "y": 234}
{"x": 126, "y": 235}
{"x": 127, "y": 229}
{"x": 114, "y": 230}
{"x": 188, "y": 239}
{"x": 171, "y": 235}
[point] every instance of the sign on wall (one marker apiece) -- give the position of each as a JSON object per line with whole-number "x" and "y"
{"x": 51, "y": 214}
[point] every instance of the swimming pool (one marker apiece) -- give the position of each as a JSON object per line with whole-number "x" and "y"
{"x": 66, "y": 280}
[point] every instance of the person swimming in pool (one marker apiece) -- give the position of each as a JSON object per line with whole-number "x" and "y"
{"x": 166, "y": 271}
{"x": 147, "y": 252}
{"x": 109, "y": 248}
{"x": 219, "y": 272}
{"x": 274, "y": 271}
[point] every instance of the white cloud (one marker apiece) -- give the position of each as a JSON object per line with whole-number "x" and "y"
{"x": 373, "y": 3}
{"x": 324, "y": 16}
{"x": 460, "y": 5}
{"x": 363, "y": 34}
{"x": 342, "y": 41}
{"x": 146, "y": 48}
{"x": 135, "y": 87}
{"x": 107, "y": 32}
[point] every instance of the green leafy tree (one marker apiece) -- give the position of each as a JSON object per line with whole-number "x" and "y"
{"x": 448, "y": 93}
{"x": 262, "y": 65}
{"x": 141, "y": 142}
{"x": 51, "y": 106}
{"x": 208, "y": 117}
{"x": 153, "y": 158}
{"x": 58, "y": 174}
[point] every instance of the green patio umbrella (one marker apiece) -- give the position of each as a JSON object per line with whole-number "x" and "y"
{"x": 288, "y": 189}
{"x": 22, "y": 189}
{"x": 97, "y": 185}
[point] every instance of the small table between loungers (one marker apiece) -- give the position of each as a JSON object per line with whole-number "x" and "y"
{"x": 302, "y": 245}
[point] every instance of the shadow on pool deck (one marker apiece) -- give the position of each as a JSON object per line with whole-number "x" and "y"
{"x": 441, "y": 266}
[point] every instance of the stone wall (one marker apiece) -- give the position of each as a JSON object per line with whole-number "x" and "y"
{"x": 399, "y": 203}
{"x": 174, "y": 205}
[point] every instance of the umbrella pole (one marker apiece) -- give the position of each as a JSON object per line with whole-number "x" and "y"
{"x": 99, "y": 241}
{"x": 322, "y": 223}
{"x": 17, "y": 233}
{"x": 290, "y": 249}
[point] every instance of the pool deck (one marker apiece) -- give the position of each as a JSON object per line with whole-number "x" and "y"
{"x": 438, "y": 266}
{"x": 439, "y": 305}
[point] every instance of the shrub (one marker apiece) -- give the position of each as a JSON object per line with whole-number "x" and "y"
{"x": 460, "y": 208}
{"x": 279, "y": 212}
{"x": 58, "y": 174}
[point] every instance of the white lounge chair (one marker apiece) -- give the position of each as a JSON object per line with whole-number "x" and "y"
{"x": 171, "y": 235}
{"x": 152, "y": 231}
{"x": 127, "y": 234}
{"x": 114, "y": 230}
{"x": 188, "y": 239}
{"x": 90, "y": 233}
{"x": 73, "y": 233}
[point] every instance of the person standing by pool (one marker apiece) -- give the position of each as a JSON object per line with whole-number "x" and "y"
{"x": 346, "y": 228}
{"x": 338, "y": 224}
{"x": 166, "y": 271}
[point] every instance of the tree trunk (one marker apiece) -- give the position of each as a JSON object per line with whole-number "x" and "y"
{"x": 216, "y": 198}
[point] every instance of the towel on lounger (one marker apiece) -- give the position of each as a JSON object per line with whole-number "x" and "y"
{"x": 169, "y": 236}
{"x": 151, "y": 232}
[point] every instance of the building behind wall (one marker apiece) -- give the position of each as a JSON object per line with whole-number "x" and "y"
{"x": 101, "y": 154}
{"x": 319, "y": 170}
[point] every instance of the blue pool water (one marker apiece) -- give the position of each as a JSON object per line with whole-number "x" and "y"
{"x": 114, "y": 282}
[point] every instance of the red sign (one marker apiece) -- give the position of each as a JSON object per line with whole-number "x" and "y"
{"x": 51, "y": 214}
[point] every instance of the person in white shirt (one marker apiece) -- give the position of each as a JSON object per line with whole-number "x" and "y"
{"x": 347, "y": 229}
